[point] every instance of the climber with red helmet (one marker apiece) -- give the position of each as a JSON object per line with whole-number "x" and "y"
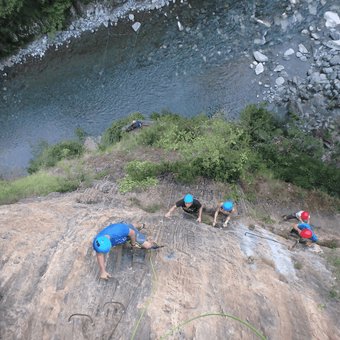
{"x": 190, "y": 205}
{"x": 116, "y": 234}
{"x": 226, "y": 209}
{"x": 305, "y": 232}
{"x": 301, "y": 216}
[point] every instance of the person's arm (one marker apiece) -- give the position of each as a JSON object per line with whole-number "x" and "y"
{"x": 101, "y": 263}
{"x": 199, "y": 219}
{"x": 170, "y": 211}
{"x": 215, "y": 216}
{"x": 295, "y": 226}
{"x": 132, "y": 236}
{"x": 227, "y": 220}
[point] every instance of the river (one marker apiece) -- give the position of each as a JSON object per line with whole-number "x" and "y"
{"x": 199, "y": 65}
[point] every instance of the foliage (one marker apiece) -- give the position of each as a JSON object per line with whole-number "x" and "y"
{"x": 9, "y": 6}
{"x": 38, "y": 184}
{"x": 212, "y": 148}
{"x": 48, "y": 156}
{"x": 115, "y": 132}
{"x": 140, "y": 171}
{"x": 293, "y": 155}
{"x": 128, "y": 183}
{"x": 81, "y": 134}
{"x": 298, "y": 265}
{"x": 23, "y": 20}
{"x": 140, "y": 175}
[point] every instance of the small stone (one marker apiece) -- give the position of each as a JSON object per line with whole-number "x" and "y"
{"x": 259, "y": 68}
{"x": 136, "y": 26}
{"x": 279, "y": 81}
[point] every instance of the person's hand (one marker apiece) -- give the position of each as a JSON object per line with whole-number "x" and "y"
{"x": 199, "y": 220}
{"x": 105, "y": 276}
{"x": 214, "y": 224}
{"x": 167, "y": 215}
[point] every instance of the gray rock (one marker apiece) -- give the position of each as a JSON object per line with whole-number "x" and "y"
{"x": 303, "y": 49}
{"x": 289, "y": 52}
{"x": 260, "y": 57}
{"x": 315, "y": 36}
{"x": 259, "y": 68}
{"x": 332, "y": 19}
{"x": 279, "y": 81}
{"x": 259, "y": 41}
{"x": 335, "y": 60}
{"x": 334, "y": 44}
{"x": 335, "y": 35}
{"x": 327, "y": 70}
{"x": 279, "y": 68}
{"x": 180, "y": 26}
{"x": 136, "y": 26}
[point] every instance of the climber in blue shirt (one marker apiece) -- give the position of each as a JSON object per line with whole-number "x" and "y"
{"x": 116, "y": 234}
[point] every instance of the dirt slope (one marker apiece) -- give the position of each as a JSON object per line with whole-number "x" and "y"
{"x": 49, "y": 286}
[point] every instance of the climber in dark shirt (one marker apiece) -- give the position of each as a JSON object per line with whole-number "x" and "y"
{"x": 190, "y": 205}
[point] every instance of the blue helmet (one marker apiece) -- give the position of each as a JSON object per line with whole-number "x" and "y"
{"x": 188, "y": 198}
{"x": 228, "y": 206}
{"x": 101, "y": 244}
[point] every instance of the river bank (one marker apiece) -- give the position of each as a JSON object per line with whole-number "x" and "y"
{"x": 284, "y": 54}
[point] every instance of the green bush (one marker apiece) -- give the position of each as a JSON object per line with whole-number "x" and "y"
{"x": 23, "y": 20}
{"x": 128, "y": 183}
{"x": 293, "y": 155}
{"x": 139, "y": 171}
{"x": 38, "y": 184}
{"x": 212, "y": 148}
{"x": 115, "y": 132}
{"x": 140, "y": 175}
{"x": 48, "y": 156}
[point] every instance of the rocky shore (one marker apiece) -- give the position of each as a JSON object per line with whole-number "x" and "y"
{"x": 92, "y": 17}
{"x": 314, "y": 95}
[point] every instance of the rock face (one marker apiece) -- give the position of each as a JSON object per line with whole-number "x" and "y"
{"x": 50, "y": 287}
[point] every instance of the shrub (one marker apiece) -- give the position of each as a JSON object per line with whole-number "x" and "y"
{"x": 38, "y": 184}
{"x": 128, "y": 183}
{"x": 139, "y": 171}
{"x": 115, "y": 132}
{"x": 293, "y": 155}
{"x": 48, "y": 156}
{"x": 140, "y": 175}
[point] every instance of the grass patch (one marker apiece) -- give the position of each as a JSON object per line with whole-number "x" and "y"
{"x": 47, "y": 156}
{"x": 333, "y": 294}
{"x": 128, "y": 184}
{"x": 297, "y": 265}
{"x": 39, "y": 184}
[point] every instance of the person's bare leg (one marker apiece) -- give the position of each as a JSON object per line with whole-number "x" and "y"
{"x": 101, "y": 263}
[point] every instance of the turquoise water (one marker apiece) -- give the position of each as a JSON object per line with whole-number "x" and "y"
{"x": 113, "y": 72}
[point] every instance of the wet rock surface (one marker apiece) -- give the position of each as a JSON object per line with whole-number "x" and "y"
{"x": 50, "y": 286}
